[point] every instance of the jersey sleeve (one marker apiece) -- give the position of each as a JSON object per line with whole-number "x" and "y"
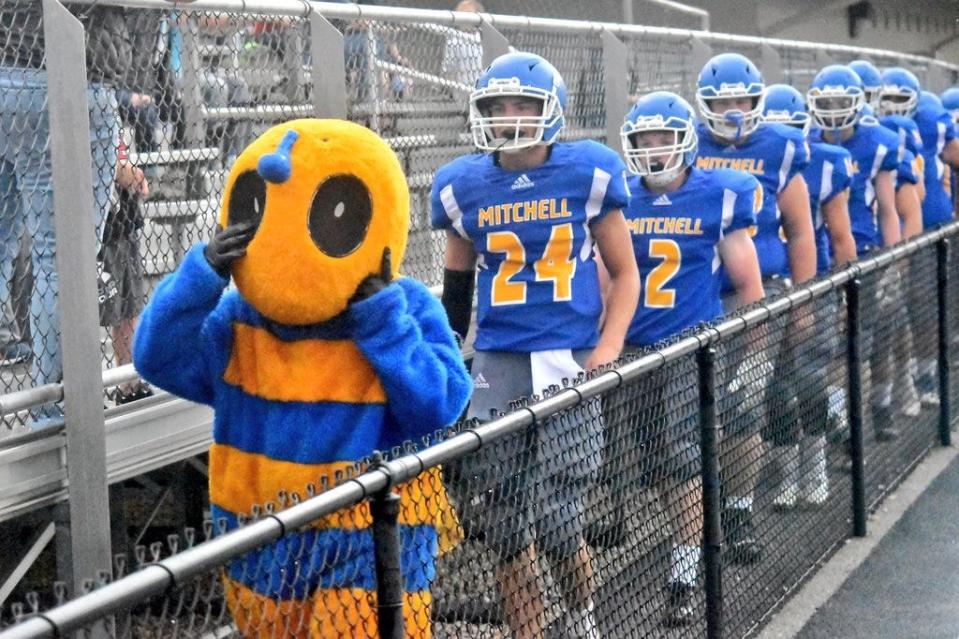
{"x": 905, "y": 173}
{"x": 841, "y": 174}
{"x": 946, "y": 119}
{"x": 800, "y": 155}
{"x": 445, "y": 213}
{"x": 747, "y": 204}
{"x": 608, "y": 181}
{"x": 893, "y": 156}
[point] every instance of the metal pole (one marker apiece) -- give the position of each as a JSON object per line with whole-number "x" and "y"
{"x": 942, "y": 293}
{"x": 494, "y": 43}
{"x": 77, "y": 297}
{"x": 616, "y": 73}
{"x": 628, "y": 12}
{"x": 854, "y": 362}
{"x": 385, "y": 508}
{"x": 328, "y": 67}
{"x": 712, "y": 508}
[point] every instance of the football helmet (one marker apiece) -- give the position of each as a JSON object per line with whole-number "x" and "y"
{"x": 900, "y": 92}
{"x": 786, "y": 105}
{"x": 517, "y": 75}
{"x": 950, "y": 100}
{"x": 730, "y": 76}
{"x": 663, "y": 112}
{"x": 835, "y": 98}
{"x": 871, "y": 80}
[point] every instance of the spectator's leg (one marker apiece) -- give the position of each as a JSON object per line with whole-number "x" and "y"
{"x": 11, "y": 224}
{"x": 21, "y": 288}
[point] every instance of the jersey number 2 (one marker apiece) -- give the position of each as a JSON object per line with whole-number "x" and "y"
{"x": 655, "y": 293}
{"x": 557, "y": 265}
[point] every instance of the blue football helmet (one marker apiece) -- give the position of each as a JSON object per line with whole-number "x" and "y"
{"x": 836, "y": 98}
{"x": 519, "y": 75}
{"x": 786, "y": 105}
{"x": 661, "y": 112}
{"x": 867, "y": 117}
{"x": 950, "y": 100}
{"x": 730, "y": 76}
{"x": 928, "y": 100}
{"x": 871, "y": 80}
{"x": 900, "y": 92}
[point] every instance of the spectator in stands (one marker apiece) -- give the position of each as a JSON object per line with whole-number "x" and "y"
{"x": 730, "y": 98}
{"x": 25, "y": 155}
{"x": 537, "y": 322}
{"x": 684, "y": 223}
{"x": 463, "y": 51}
{"x": 121, "y": 269}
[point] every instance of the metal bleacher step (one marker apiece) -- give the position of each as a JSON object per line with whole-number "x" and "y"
{"x": 171, "y": 211}
{"x": 174, "y": 156}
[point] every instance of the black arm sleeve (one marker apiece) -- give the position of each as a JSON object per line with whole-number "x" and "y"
{"x": 458, "y": 299}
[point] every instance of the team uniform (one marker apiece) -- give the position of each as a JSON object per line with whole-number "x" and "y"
{"x": 539, "y": 305}
{"x": 937, "y": 130}
{"x": 828, "y": 174}
{"x": 873, "y": 148}
{"x": 773, "y": 154}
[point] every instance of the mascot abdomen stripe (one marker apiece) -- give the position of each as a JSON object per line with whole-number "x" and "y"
{"x": 300, "y": 371}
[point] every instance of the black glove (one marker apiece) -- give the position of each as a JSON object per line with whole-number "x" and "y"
{"x": 228, "y": 245}
{"x": 373, "y": 284}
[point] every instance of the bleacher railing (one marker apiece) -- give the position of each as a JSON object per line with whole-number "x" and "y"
{"x": 220, "y": 71}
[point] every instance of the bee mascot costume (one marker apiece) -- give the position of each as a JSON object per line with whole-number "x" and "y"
{"x": 320, "y": 356}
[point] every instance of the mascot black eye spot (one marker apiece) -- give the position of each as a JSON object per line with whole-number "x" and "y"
{"x": 340, "y": 215}
{"x": 247, "y": 199}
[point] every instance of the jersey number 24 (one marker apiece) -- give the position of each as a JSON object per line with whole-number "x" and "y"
{"x": 556, "y": 265}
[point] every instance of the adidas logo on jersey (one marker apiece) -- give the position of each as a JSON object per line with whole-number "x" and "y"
{"x": 480, "y": 382}
{"x": 662, "y": 200}
{"x": 522, "y": 182}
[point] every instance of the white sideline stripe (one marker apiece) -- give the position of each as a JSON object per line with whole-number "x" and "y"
{"x": 801, "y": 607}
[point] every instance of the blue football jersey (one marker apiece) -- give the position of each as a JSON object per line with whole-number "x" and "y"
{"x": 538, "y": 287}
{"x": 773, "y": 154}
{"x": 937, "y": 130}
{"x": 907, "y": 130}
{"x": 675, "y": 237}
{"x": 873, "y": 149}
{"x": 829, "y": 173}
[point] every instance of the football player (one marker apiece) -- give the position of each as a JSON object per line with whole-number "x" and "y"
{"x": 685, "y": 222}
{"x": 533, "y": 213}
{"x": 836, "y": 100}
{"x": 828, "y": 177}
{"x": 730, "y": 98}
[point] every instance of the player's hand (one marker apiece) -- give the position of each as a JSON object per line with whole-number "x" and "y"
{"x": 601, "y": 356}
{"x": 373, "y": 284}
{"x": 227, "y": 246}
{"x": 131, "y": 178}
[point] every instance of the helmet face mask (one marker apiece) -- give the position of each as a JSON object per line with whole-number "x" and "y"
{"x": 517, "y": 104}
{"x": 798, "y": 119}
{"x": 659, "y": 137}
{"x": 731, "y": 124}
{"x": 657, "y": 149}
{"x": 897, "y": 100}
{"x": 835, "y": 107}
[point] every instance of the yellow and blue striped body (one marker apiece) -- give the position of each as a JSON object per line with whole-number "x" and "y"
{"x": 294, "y": 404}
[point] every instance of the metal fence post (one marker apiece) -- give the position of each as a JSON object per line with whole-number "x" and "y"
{"x": 615, "y": 74}
{"x": 495, "y": 43}
{"x": 385, "y": 508}
{"x": 772, "y": 64}
{"x": 712, "y": 508}
{"x": 942, "y": 294}
{"x": 328, "y": 66}
{"x": 699, "y": 54}
{"x": 77, "y": 297}
{"x": 854, "y": 364}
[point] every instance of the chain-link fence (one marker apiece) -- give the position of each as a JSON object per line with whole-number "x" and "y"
{"x": 686, "y": 492}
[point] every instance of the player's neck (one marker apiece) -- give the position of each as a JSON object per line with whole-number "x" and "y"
{"x": 831, "y": 136}
{"x": 524, "y": 159}
{"x": 669, "y": 187}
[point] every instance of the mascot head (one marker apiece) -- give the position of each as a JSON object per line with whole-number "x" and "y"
{"x": 328, "y": 197}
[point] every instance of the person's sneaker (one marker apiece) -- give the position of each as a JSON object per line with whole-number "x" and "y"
{"x": 928, "y": 389}
{"x": 142, "y": 391}
{"x": 679, "y": 605}
{"x": 813, "y": 479}
{"x": 16, "y": 353}
{"x": 788, "y": 489}
{"x": 742, "y": 546}
{"x": 882, "y": 421}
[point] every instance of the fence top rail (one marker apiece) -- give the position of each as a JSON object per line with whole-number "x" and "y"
{"x": 303, "y": 8}
{"x": 158, "y": 577}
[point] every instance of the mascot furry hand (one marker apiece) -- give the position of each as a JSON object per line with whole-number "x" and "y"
{"x": 321, "y": 356}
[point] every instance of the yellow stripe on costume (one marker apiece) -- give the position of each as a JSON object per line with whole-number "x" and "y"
{"x": 336, "y": 613}
{"x": 299, "y": 371}
{"x": 241, "y": 480}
